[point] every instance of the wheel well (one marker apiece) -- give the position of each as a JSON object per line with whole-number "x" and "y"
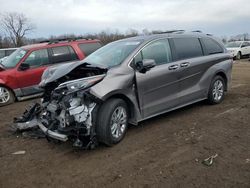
{"x": 223, "y": 75}
{"x": 127, "y": 101}
{"x": 10, "y": 90}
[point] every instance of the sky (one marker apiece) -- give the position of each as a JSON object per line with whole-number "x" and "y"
{"x": 56, "y": 17}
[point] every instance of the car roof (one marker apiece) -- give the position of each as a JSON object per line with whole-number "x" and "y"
{"x": 57, "y": 43}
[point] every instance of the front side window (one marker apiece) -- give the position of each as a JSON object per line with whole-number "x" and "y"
{"x": 187, "y": 48}
{"x": 38, "y": 58}
{"x": 14, "y": 58}
{"x": 158, "y": 51}
{"x": 245, "y": 44}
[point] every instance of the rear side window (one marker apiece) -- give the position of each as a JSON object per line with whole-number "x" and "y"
{"x": 211, "y": 46}
{"x": 159, "y": 51}
{"x": 62, "y": 54}
{"x": 38, "y": 58}
{"x": 88, "y": 48}
{"x": 187, "y": 47}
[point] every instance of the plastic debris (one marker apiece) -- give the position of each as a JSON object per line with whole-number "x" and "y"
{"x": 209, "y": 161}
{"x": 22, "y": 152}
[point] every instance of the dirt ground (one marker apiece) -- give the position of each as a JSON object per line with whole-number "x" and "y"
{"x": 165, "y": 151}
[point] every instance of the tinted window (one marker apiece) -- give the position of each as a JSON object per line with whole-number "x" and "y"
{"x": 38, "y": 58}
{"x": 211, "y": 46}
{"x": 187, "y": 47}
{"x": 159, "y": 51}
{"x": 62, "y": 54}
{"x": 245, "y": 44}
{"x": 88, "y": 48}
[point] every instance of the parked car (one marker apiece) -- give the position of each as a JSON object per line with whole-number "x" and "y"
{"x": 238, "y": 49}
{"x": 128, "y": 81}
{"x": 6, "y": 52}
{"x": 21, "y": 72}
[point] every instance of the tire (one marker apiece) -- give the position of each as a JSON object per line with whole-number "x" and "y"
{"x": 6, "y": 96}
{"x": 238, "y": 56}
{"x": 217, "y": 90}
{"x": 108, "y": 131}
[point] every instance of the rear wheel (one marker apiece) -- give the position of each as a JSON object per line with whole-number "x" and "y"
{"x": 217, "y": 90}
{"x": 6, "y": 96}
{"x": 112, "y": 122}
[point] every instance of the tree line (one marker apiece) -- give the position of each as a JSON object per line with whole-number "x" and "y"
{"x": 15, "y": 28}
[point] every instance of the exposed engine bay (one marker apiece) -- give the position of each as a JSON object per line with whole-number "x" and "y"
{"x": 67, "y": 110}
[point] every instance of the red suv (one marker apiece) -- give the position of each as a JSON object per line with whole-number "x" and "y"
{"x": 21, "y": 72}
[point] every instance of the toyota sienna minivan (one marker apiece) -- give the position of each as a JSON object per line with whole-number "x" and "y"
{"x": 128, "y": 81}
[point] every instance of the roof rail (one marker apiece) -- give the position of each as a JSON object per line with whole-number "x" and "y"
{"x": 172, "y": 31}
{"x": 54, "y": 41}
{"x": 197, "y": 31}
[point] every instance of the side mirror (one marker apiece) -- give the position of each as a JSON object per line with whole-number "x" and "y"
{"x": 145, "y": 65}
{"x": 24, "y": 66}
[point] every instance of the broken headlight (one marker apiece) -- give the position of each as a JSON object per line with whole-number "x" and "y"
{"x": 82, "y": 83}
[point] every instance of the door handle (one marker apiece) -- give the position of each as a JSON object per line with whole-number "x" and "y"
{"x": 186, "y": 64}
{"x": 173, "y": 67}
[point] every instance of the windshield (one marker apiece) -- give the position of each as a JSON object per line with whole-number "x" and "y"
{"x": 113, "y": 54}
{"x": 233, "y": 44}
{"x": 14, "y": 58}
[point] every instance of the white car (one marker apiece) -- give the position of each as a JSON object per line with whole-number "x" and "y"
{"x": 239, "y": 48}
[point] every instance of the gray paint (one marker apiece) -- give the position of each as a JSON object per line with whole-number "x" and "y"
{"x": 159, "y": 90}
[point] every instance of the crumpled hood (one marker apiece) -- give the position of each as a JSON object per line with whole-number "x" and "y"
{"x": 55, "y": 72}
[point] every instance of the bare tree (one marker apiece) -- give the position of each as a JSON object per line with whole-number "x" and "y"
{"x": 16, "y": 26}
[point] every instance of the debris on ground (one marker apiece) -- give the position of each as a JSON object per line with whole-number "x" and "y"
{"x": 22, "y": 152}
{"x": 209, "y": 161}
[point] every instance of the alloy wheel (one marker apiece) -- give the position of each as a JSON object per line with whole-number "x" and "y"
{"x": 218, "y": 90}
{"x": 4, "y": 95}
{"x": 118, "y": 122}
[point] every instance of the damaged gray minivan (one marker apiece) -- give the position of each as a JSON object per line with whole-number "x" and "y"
{"x": 128, "y": 81}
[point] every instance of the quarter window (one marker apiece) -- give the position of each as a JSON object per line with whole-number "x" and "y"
{"x": 62, "y": 54}
{"x": 211, "y": 46}
{"x": 88, "y": 48}
{"x": 187, "y": 47}
{"x": 38, "y": 58}
{"x": 159, "y": 51}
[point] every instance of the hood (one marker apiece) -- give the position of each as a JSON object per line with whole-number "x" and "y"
{"x": 54, "y": 73}
{"x": 232, "y": 49}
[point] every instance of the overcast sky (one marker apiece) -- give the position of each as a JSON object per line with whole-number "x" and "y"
{"x": 55, "y": 17}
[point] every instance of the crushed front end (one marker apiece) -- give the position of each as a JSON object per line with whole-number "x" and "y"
{"x": 69, "y": 116}
{"x": 67, "y": 110}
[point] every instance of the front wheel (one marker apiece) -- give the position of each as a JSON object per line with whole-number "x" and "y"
{"x": 238, "y": 56}
{"x": 112, "y": 122}
{"x": 217, "y": 90}
{"x": 6, "y": 96}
